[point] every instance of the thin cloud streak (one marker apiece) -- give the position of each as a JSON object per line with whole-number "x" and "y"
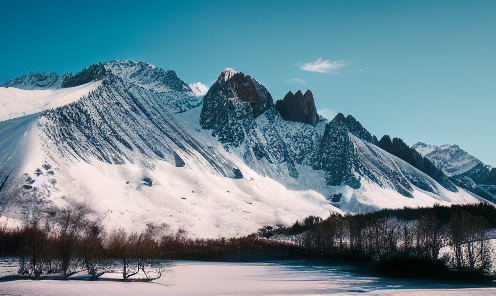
{"x": 324, "y": 66}
{"x": 296, "y": 80}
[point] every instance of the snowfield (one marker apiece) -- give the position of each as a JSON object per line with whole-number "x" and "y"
{"x": 16, "y": 102}
{"x": 214, "y": 278}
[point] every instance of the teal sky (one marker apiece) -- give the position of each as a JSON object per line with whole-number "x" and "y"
{"x": 418, "y": 70}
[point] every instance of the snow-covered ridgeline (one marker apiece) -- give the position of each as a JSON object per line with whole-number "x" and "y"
{"x": 451, "y": 159}
{"x": 15, "y": 102}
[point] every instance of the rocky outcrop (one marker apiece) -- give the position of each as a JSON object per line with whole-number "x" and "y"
{"x": 231, "y": 105}
{"x": 355, "y": 127}
{"x": 298, "y": 107}
{"x": 336, "y": 156}
{"x": 44, "y": 80}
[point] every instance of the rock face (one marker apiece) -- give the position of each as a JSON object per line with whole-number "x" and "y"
{"x": 231, "y": 105}
{"x": 45, "y": 80}
{"x": 336, "y": 156}
{"x": 449, "y": 158}
{"x": 298, "y": 107}
{"x": 355, "y": 127}
{"x": 463, "y": 169}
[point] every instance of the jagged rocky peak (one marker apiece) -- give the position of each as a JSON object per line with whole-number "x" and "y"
{"x": 355, "y": 127}
{"x": 147, "y": 75}
{"x": 238, "y": 87}
{"x": 32, "y": 80}
{"x": 226, "y": 74}
{"x": 450, "y": 158}
{"x": 232, "y": 103}
{"x": 298, "y": 107}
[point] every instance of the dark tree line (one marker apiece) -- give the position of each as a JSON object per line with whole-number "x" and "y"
{"x": 414, "y": 241}
{"x": 424, "y": 241}
{"x": 92, "y": 73}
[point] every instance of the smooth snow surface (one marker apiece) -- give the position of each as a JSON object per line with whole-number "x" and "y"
{"x": 15, "y": 102}
{"x": 214, "y": 278}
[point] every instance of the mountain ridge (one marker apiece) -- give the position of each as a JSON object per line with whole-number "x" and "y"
{"x": 141, "y": 148}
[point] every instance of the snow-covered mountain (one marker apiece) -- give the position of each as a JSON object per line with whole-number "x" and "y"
{"x": 198, "y": 89}
{"x": 449, "y": 158}
{"x": 464, "y": 169}
{"x": 138, "y": 145}
{"x": 48, "y": 80}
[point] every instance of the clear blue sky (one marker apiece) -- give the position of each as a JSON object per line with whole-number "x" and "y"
{"x": 418, "y": 70}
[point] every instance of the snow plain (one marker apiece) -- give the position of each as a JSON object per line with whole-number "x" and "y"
{"x": 215, "y": 278}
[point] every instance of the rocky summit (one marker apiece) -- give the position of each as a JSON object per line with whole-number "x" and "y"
{"x": 298, "y": 107}
{"x": 231, "y": 105}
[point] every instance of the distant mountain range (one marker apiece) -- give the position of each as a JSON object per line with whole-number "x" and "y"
{"x": 463, "y": 169}
{"x": 138, "y": 145}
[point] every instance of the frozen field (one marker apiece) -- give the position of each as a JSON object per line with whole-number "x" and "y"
{"x": 213, "y": 278}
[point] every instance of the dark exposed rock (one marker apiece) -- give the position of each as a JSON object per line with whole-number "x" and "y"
{"x": 44, "y": 80}
{"x": 468, "y": 184}
{"x": 482, "y": 174}
{"x": 231, "y": 104}
{"x": 298, "y": 107}
{"x": 401, "y": 150}
{"x": 178, "y": 160}
{"x": 147, "y": 181}
{"x": 336, "y": 197}
{"x": 355, "y": 127}
{"x": 237, "y": 174}
{"x": 336, "y": 156}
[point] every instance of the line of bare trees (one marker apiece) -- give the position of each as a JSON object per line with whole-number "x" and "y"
{"x": 453, "y": 238}
{"x": 427, "y": 239}
{"x": 66, "y": 242}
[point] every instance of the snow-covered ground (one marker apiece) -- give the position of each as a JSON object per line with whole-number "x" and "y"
{"x": 213, "y": 278}
{"x": 15, "y": 102}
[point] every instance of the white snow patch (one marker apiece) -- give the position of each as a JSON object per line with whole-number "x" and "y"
{"x": 226, "y": 74}
{"x": 198, "y": 89}
{"x": 16, "y": 102}
{"x": 10, "y": 223}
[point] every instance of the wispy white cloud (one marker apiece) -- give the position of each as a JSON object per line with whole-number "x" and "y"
{"x": 324, "y": 66}
{"x": 327, "y": 113}
{"x": 360, "y": 70}
{"x": 295, "y": 80}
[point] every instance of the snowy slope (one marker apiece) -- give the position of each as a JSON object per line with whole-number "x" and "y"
{"x": 15, "y": 102}
{"x": 122, "y": 152}
{"x": 449, "y": 158}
